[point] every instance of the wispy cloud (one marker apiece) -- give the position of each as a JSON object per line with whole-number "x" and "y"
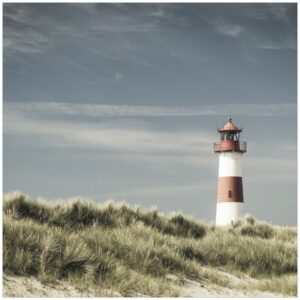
{"x": 46, "y": 125}
{"x": 29, "y": 30}
{"x": 251, "y": 23}
{"x": 133, "y": 142}
{"x": 28, "y": 41}
{"x": 100, "y": 136}
{"x": 280, "y": 11}
{"x": 288, "y": 42}
{"x": 130, "y": 32}
{"x": 268, "y": 11}
{"x": 32, "y": 28}
{"x": 95, "y": 75}
{"x": 105, "y": 110}
{"x": 230, "y": 30}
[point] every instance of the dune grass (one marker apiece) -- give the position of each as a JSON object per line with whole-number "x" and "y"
{"x": 132, "y": 250}
{"x": 285, "y": 284}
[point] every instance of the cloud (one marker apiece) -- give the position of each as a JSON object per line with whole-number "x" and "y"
{"x": 270, "y": 26}
{"x": 118, "y": 76}
{"x": 106, "y": 110}
{"x": 133, "y": 142}
{"x": 142, "y": 33}
{"x": 78, "y": 134}
{"x": 268, "y": 11}
{"x": 113, "y": 32}
{"x": 96, "y": 75}
{"x": 230, "y": 30}
{"x": 33, "y": 28}
{"x": 222, "y": 25}
{"x": 47, "y": 125}
{"x": 27, "y": 41}
{"x": 30, "y": 28}
{"x": 280, "y": 11}
{"x": 288, "y": 42}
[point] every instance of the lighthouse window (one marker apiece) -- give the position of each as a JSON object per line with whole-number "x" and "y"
{"x": 229, "y": 194}
{"x": 228, "y": 136}
{"x": 222, "y": 136}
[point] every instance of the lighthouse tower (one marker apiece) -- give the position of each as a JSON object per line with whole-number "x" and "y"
{"x": 230, "y": 199}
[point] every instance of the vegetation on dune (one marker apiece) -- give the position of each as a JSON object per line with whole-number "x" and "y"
{"x": 132, "y": 251}
{"x": 82, "y": 214}
{"x": 285, "y": 284}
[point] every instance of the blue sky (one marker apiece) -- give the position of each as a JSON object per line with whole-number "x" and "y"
{"x": 122, "y": 101}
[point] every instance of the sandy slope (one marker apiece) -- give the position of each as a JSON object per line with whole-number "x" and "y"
{"x": 242, "y": 286}
{"x": 193, "y": 288}
{"x": 19, "y": 286}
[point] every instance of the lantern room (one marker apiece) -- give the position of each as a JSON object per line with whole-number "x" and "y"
{"x": 230, "y": 139}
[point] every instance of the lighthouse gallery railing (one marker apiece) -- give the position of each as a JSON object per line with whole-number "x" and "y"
{"x": 228, "y": 145}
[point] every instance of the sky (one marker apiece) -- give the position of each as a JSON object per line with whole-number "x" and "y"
{"x": 123, "y": 101}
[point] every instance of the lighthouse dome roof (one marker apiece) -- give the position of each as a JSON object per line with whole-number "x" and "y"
{"x": 230, "y": 126}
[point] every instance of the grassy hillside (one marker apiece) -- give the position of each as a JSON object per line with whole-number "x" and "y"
{"x": 131, "y": 251}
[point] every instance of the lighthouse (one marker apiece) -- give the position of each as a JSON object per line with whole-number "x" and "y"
{"x": 230, "y": 199}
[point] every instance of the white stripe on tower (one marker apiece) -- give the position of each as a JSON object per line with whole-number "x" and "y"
{"x": 228, "y": 212}
{"x": 230, "y": 164}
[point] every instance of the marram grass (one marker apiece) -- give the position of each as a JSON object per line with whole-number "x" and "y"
{"x": 131, "y": 250}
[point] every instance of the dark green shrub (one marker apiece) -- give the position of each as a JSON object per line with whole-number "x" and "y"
{"x": 103, "y": 268}
{"x": 264, "y": 231}
{"x": 188, "y": 228}
{"x": 249, "y": 219}
{"x": 189, "y": 252}
{"x": 20, "y": 207}
{"x": 161, "y": 262}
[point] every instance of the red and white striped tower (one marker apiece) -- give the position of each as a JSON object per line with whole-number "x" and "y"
{"x": 230, "y": 200}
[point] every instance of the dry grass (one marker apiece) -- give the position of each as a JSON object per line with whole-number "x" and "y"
{"x": 285, "y": 284}
{"x": 131, "y": 250}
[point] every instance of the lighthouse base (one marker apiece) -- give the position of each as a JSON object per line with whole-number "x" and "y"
{"x": 228, "y": 212}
